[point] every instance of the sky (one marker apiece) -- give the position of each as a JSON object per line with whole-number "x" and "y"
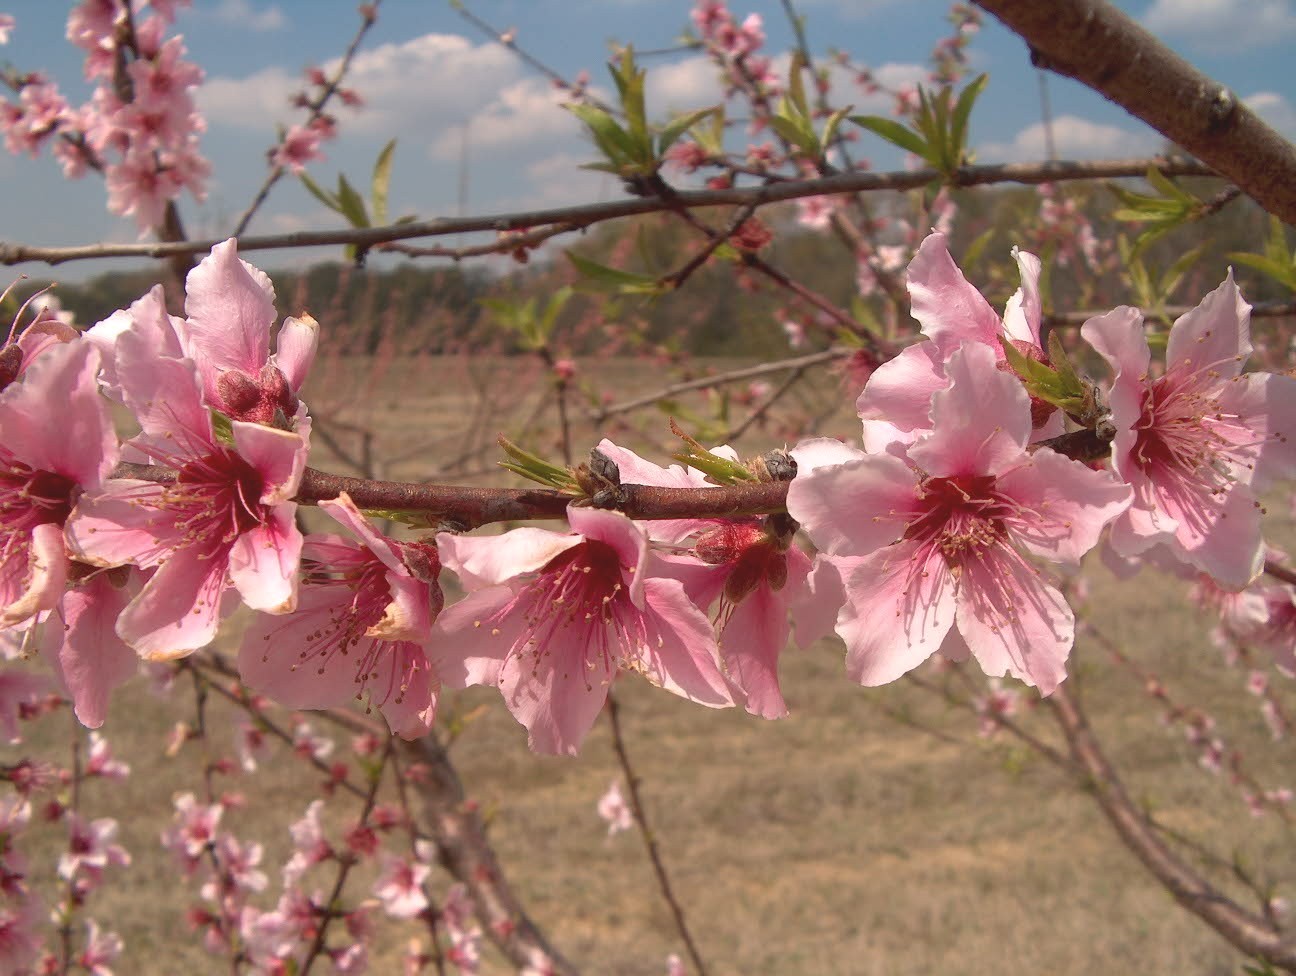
{"x": 468, "y": 113}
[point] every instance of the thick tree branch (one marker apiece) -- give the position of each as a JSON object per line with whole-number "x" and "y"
{"x": 1094, "y": 43}
{"x": 589, "y": 214}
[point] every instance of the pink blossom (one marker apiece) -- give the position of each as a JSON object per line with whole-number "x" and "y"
{"x": 895, "y": 406}
{"x": 46, "y": 457}
{"x": 100, "y": 761}
{"x": 20, "y": 939}
{"x": 362, "y": 628}
{"x": 92, "y": 847}
{"x": 310, "y": 846}
{"x": 101, "y": 950}
{"x": 6, "y": 25}
{"x": 816, "y": 213}
{"x": 613, "y": 808}
{"x": 552, "y": 619}
{"x": 19, "y": 690}
{"x": 400, "y": 887}
{"x": 1193, "y": 441}
{"x": 933, "y": 552}
{"x": 193, "y": 829}
{"x": 675, "y": 966}
{"x": 998, "y": 702}
{"x": 226, "y": 523}
{"x": 300, "y": 145}
{"x": 754, "y": 571}
{"x": 139, "y": 187}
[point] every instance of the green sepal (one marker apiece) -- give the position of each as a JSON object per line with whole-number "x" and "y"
{"x": 535, "y": 468}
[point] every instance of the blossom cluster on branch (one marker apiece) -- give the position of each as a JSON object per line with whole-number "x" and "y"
{"x": 937, "y": 537}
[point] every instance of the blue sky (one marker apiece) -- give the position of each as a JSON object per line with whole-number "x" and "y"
{"x": 428, "y": 77}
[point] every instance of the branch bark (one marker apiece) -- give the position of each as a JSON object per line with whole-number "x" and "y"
{"x": 1245, "y": 930}
{"x": 1098, "y": 45}
{"x": 460, "y": 836}
{"x": 589, "y": 214}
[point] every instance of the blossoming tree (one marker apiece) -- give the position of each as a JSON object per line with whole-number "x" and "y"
{"x": 156, "y": 469}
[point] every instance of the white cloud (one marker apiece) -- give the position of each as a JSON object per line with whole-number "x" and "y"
{"x": 682, "y": 86}
{"x": 422, "y": 85}
{"x": 1073, "y": 138}
{"x": 525, "y": 113}
{"x": 1224, "y": 25}
{"x": 1275, "y": 110}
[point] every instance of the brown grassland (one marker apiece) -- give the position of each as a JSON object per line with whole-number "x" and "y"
{"x": 842, "y": 840}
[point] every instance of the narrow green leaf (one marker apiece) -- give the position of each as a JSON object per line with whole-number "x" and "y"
{"x": 963, "y": 112}
{"x": 796, "y": 87}
{"x": 382, "y": 182}
{"x": 670, "y": 133}
{"x": 793, "y": 132}
{"x": 603, "y": 277}
{"x": 1283, "y": 273}
{"x": 353, "y": 205}
{"x": 1169, "y": 188}
{"x": 612, "y": 140}
{"x": 320, "y": 194}
{"x": 545, "y": 323}
{"x": 894, "y": 133}
{"x": 832, "y": 125}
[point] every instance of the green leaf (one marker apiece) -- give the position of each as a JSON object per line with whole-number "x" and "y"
{"x": 320, "y": 194}
{"x": 1169, "y": 188}
{"x": 630, "y": 84}
{"x": 963, "y": 112}
{"x": 612, "y": 140}
{"x": 353, "y": 205}
{"x": 546, "y": 322}
{"x": 793, "y": 132}
{"x": 381, "y": 182}
{"x": 1283, "y": 273}
{"x": 796, "y": 87}
{"x": 894, "y": 133}
{"x": 832, "y": 125}
{"x": 676, "y": 127}
{"x": 602, "y": 277}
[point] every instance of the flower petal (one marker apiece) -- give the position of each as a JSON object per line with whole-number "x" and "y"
{"x": 229, "y": 307}
{"x": 1216, "y": 335}
{"x": 950, "y": 310}
{"x": 854, "y": 508}
{"x": 900, "y": 603}
{"x": 981, "y": 422}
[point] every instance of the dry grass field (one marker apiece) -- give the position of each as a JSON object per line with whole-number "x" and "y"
{"x": 837, "y": 841}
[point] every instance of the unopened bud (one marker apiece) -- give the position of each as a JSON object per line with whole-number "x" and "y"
{"x": 239, "y": 392}
{"x": 774, "y": 465}
{"x": 11, "y": 357}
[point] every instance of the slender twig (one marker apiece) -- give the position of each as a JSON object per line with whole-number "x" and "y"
{"x": 316, "y": 109}
{"x": 722, "y": 379}
{"x": 346, "y": 862}
{"x": 649, "y": 838}
{"x": 763, "y": 408}
{"x": 1259, "y": 310}
{"x": 586, "y": 215}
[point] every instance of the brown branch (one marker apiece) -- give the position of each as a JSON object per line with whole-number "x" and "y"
{"x": 457, "y": 829}
{"x": 469, "y": 507}
{"x": 588, "y": 214}
{"x": 1248, "y": 932}
{"x": 1259, "y": 310}
{"x": 1098, "y": 45}
{"x": 720, "y": 379}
